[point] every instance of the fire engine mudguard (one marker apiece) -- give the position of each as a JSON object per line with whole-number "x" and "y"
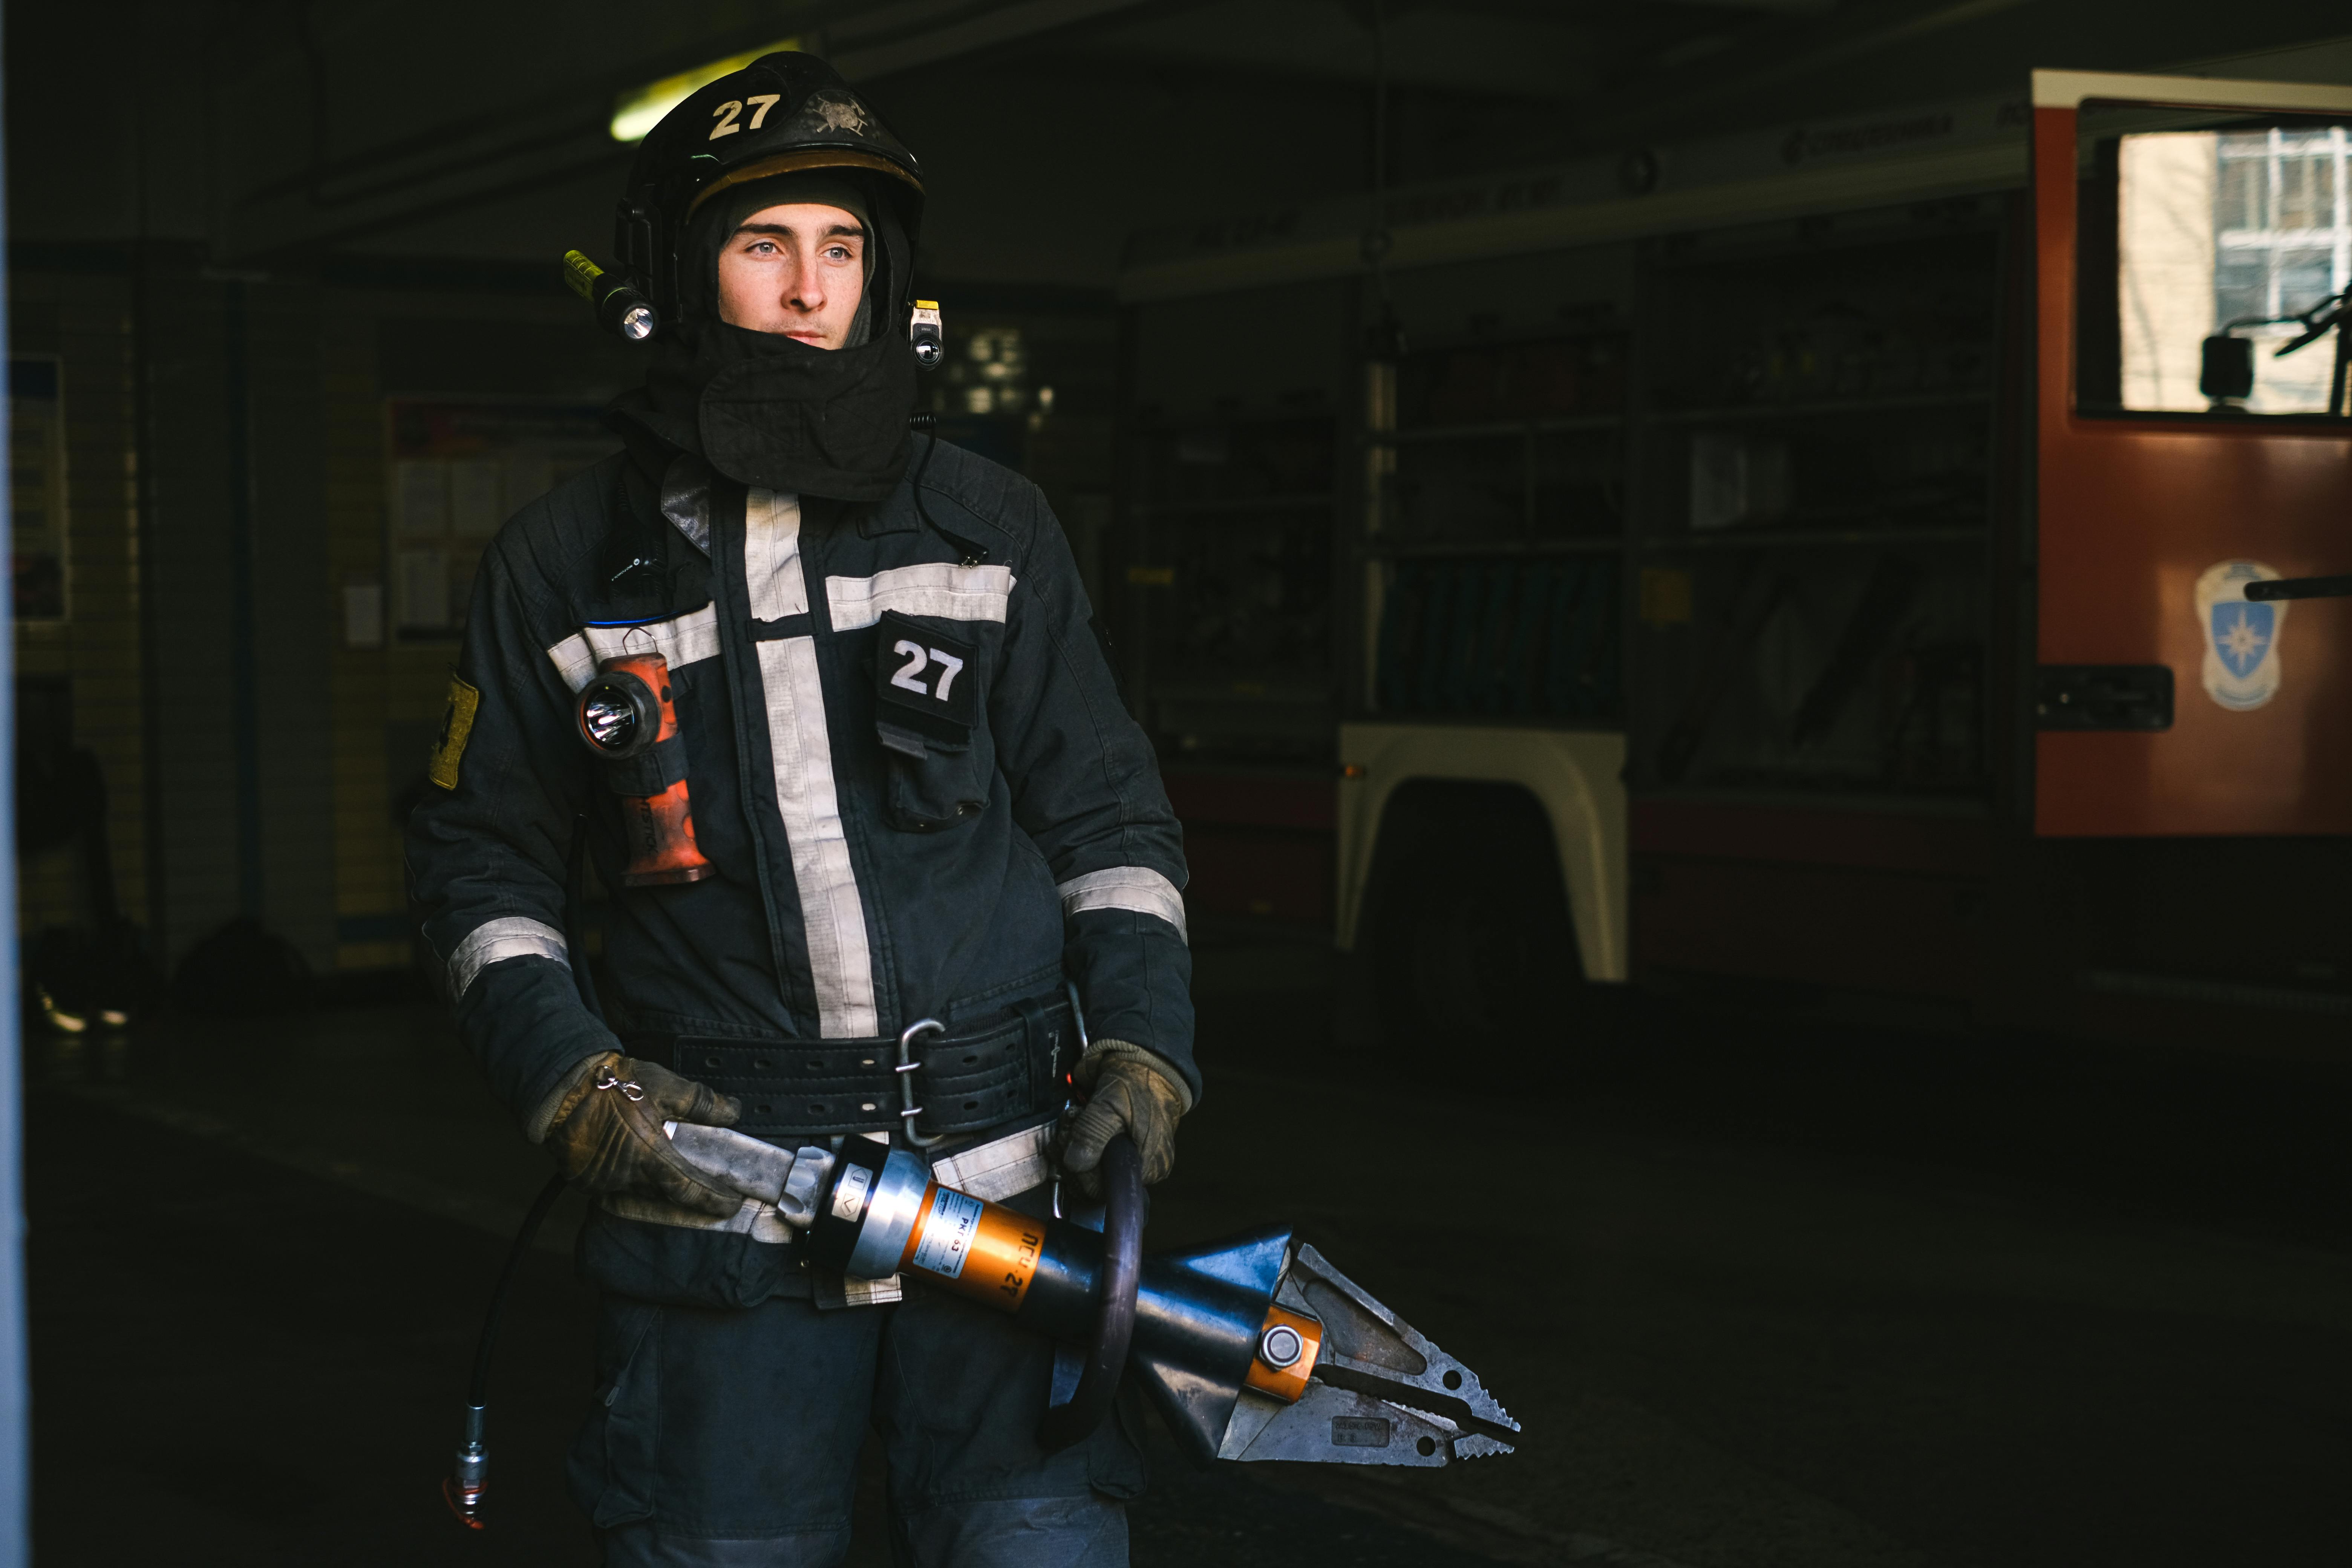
{"x": 1573, "y": 776}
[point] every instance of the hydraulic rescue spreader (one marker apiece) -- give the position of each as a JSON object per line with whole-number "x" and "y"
{"x": 1254, "y": 1348}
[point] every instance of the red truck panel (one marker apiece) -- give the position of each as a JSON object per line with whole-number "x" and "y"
{"x": 2132, "y": 510}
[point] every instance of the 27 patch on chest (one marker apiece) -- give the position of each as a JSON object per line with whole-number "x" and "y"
{"x": 456, "y": 729}
{"x": 926, "y": 677}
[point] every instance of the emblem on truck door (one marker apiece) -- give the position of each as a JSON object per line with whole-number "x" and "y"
{"x": 2242, "y": 668}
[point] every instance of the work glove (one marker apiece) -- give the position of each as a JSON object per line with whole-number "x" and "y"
{"x": 1128, "y": 1091}
{"x": 606, "y": 1133}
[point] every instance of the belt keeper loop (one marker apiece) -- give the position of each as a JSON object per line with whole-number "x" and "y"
{"x": 1036, "y": 1058}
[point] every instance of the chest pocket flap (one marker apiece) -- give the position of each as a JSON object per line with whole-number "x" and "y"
{"x": 927, "y": 691}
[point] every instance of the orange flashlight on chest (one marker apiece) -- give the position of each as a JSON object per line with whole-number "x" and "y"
{"x": 628, "y": 717}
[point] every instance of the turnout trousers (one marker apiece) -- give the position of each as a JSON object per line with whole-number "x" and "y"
{"x": 729, "y": 1438}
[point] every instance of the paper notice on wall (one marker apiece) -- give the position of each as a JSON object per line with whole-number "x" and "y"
{"x": 421, "y": 587}
{"x": 475, "y": 510}
{"x": 1736, "y": 478}
{"x": 422, "y": 487}
{"x": 363, "y": 615}
{"x": 455, "y": 470}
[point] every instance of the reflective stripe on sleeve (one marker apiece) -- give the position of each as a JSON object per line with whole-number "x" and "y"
{"x": 681, "y": 639}
{"x": 1136, "y": 887}
{"x": 510, "y": 936}
{"x": 949, "y": 592}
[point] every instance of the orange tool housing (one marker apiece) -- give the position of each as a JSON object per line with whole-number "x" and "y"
{"x": 982, "y": 1250}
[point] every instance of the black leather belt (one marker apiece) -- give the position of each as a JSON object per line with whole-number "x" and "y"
{"x": 962, "y": 1083}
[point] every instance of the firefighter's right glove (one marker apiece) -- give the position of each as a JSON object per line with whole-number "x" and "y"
{"x": 1129, "y": 1090}
{"x": 607, "y": 1135}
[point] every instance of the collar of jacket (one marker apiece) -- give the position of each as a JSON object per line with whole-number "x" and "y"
{"x": 644, "y": 567}
{"x": 685, "y": 499}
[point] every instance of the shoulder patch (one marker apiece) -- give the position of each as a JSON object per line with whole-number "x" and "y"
{"x": 456, "y": 727}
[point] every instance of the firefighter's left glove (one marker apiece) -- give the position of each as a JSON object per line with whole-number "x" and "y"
{"x": 606, "y": 1133}
{"x": 1129, "y": 1090}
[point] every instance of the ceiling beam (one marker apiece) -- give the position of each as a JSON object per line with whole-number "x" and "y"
{"x": 1686, "y": 79}
{"x": 472, "y": 158}
{"x": 926, "y": 32}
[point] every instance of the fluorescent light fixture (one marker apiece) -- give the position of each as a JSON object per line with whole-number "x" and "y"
{"x": 640, "y": 109}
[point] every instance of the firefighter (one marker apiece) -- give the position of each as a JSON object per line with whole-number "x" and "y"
{"x": 919, "y": 816}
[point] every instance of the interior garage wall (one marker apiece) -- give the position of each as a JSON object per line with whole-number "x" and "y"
{"x": 265, "y": 777}
{"x": 233, "y": 542}
{"x": 84, "y": 322}
{"x": 491, "y": 334}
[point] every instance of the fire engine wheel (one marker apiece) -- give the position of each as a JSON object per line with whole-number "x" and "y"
{"x": 1471, "y": 929}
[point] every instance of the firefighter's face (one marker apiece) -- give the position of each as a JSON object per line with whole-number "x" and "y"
{"x": 799, "y": 271}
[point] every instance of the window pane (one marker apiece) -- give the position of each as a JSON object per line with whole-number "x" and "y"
{"x": 2227, "y": 231}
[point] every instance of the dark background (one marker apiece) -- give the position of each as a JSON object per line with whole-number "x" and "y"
{"x": 1897, "y": 1188}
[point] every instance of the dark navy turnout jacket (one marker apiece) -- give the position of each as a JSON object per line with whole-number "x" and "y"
{"x": 877, "y": 862}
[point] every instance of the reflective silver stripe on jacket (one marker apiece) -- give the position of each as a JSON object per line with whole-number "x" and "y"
{"x": 841, "y": 965}
{"x": 1136, "y": 887}
{"x": 995, "y": 1171}
{"x": 759, "y": 1221}
{"x": 681, "y": 639}
{"x": 510, "y": 936}
{"x": 949, "y": 592}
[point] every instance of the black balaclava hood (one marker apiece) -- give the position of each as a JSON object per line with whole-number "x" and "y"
{"x": 768, "y": 410}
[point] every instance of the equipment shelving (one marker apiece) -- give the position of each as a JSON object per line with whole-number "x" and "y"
{"x": 1229, "y": 550}
{"x": 1814, "y": 552}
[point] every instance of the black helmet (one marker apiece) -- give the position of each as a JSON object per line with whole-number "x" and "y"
{"x": 783, "y": 113}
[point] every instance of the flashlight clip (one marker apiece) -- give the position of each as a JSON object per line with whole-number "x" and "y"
{"x": 928, "y": 335}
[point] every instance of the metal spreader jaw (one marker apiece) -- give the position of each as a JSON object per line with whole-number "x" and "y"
{"x": 1378, "y": 1393}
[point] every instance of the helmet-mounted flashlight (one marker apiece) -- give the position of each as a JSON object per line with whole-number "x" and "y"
{"x": 621, "y": 307}
{"x": 928, "y": 333}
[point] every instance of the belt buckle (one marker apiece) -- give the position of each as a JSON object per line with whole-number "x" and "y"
{"x": 905, "y": 1070}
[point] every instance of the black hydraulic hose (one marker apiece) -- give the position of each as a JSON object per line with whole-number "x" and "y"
{"x": 576, "y": 918}
{"x": 477, "y": 1391}
{"x": 464, "y": 1488}
{"x": 1122, "y": 1272}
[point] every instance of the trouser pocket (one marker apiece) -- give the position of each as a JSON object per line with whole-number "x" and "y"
{"x": 611, "y": 1472}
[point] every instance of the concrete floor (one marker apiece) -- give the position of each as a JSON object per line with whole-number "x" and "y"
{"x": 1764, "y": 1290}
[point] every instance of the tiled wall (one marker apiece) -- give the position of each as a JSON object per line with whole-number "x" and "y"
{"x": 299, "y": 826}
{"x": 85, "y": 323}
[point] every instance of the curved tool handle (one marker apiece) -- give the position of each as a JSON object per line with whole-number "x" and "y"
{"x": 1122, "y": 1178}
